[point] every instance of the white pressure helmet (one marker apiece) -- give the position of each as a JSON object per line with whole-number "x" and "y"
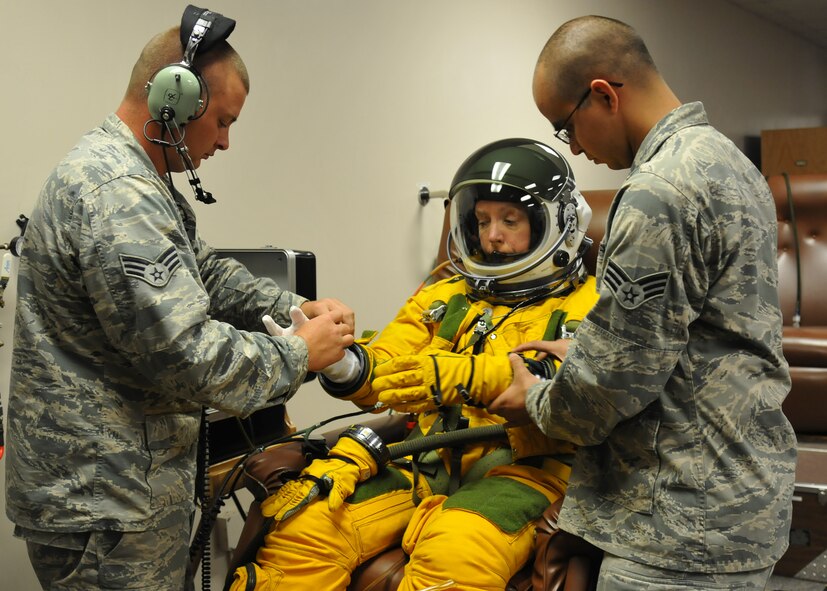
{"x": 537, "y": 178}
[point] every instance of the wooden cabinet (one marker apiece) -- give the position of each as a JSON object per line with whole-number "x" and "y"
{"x": 794, "y": 151}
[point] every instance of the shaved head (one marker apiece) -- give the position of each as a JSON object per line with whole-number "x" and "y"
{"x": 165, "y": 48}
{"x": 592, "y": 47}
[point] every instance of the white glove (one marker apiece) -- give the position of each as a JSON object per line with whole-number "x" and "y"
{"x": 343, "y": 371}
{"x": 297, "y": 318}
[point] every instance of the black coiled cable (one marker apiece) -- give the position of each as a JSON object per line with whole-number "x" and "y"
{"x": 200, "y": 551}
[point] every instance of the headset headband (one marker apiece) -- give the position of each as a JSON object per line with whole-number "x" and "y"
{"x": 201, "y": 29}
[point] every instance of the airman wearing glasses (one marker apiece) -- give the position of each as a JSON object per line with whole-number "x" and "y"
{"x": 673, "y": 384}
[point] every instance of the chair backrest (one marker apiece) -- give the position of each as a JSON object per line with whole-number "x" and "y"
{"x": 802, "y": 235}
{"x": 806, "y": 221}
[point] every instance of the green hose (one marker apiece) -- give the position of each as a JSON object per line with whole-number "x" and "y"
{"x": 447, "y": 439}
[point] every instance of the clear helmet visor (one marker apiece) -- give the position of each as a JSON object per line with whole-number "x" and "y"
{"x": 497, "y": 227}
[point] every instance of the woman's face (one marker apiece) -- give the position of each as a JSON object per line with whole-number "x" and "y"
{"x": 503, "y": 227}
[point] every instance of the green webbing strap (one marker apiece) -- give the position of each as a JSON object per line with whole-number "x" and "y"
{"x": 499, "y": 457}
{"x": 558, "y": 328}
{"x": 452, "y": 420}
{"x": 454, "y": 315}
{"x": 553, "y": 327}
{"x": 415, "y": 433}
{"x": 428, "y": 463}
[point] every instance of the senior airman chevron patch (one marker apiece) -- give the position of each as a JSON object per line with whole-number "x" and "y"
{"x": 156, "y": 273}
{"x": 631, "y": 294}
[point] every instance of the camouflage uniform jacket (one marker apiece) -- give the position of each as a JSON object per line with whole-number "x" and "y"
{"x": 674, "y": 383}
{"x": 126, "y": 325}
{"x": 441, "y": 320}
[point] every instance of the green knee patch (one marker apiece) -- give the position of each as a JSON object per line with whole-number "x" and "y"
{"x": 386, "y": 481}
{"x": 508, "y": 504}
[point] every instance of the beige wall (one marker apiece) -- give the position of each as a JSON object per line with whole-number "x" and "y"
{"x": 354, "y": 105}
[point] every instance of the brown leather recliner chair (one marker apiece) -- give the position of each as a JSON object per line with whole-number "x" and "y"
{"x": 802, "y": 269}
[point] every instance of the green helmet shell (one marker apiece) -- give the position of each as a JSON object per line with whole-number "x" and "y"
{"x": 535, "y": 177}
{"x": 527, "y": 165}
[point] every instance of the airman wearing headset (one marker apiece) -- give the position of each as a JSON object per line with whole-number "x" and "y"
{"x": 128, "y": 324}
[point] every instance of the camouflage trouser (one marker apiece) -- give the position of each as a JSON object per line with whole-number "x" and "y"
{"x": 619, "y": 574}
{"x": 154, "y": 560}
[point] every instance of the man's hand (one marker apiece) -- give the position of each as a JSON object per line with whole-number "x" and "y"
{"x": 342, "y": 371}
{"x": 315, "y": 308}
{"x": 327, "y": 336}
{"x": 511, "y": 403}
{"x": 336, "y": 476}
{"x": 556, "y": 349}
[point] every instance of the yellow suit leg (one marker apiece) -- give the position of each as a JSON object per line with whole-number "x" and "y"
{"x": 482, "y": 535}
{"x": 464, "y": 547}
{"x": 318, "y": 549}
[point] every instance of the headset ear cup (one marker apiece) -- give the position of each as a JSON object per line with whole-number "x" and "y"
{"x": 174, "y": 93}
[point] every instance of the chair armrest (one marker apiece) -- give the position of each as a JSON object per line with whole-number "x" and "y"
{"x": 266, "y": 471}
{"x": 805, "y": 346}
{"x": 557, "y": 551}
{"x": 390, "y": 428}
{"x": 804, "y": 406}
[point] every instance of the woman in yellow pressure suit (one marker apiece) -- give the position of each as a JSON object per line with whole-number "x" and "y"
{"x": 463, "y": 515}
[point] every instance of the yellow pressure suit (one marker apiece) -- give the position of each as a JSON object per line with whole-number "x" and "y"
{"x": 481, "y": 534}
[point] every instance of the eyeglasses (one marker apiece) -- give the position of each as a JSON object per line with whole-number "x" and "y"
{"x": 564, "y": 134}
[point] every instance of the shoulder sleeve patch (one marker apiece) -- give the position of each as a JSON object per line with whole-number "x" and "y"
{"x": 631, "y": 293}
{"x": 156, "y": 273}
